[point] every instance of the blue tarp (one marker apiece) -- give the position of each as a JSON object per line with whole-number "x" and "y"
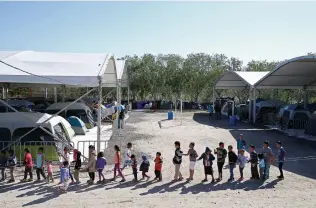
{"x": 295, "y": 107}
{"x": 122, "y": 107}
{"x": 75, "y": 121}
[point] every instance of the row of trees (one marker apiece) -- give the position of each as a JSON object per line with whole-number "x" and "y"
{"x": 192, "y": 78}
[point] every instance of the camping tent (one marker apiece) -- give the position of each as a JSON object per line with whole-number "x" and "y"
{"x": 79, "y": 110}
{"x": 77, "y": 125}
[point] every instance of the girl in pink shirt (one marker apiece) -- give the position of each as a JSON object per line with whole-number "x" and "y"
{"x": 50, "y": 172}
{"x": 117, "y": 159}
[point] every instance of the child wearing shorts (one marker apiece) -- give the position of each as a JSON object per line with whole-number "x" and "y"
{"x": 192, "y": 156}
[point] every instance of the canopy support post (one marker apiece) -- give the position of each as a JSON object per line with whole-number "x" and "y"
{"x": 254, "y": 105}
{"x": 55, "y": 95}
{"x": 181, "y": 108}
{"x": 46, "y": 92}
{"x": 99, "y": 116}
{"x": 7, "y": 97}
{"x": 249, "y": 105}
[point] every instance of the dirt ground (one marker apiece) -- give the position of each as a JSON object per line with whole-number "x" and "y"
{"x": 142, "y": 129}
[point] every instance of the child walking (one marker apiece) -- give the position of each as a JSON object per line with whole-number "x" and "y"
{"x": 134, "y": 167}
{"x": 241, "y": 143}
{"x": 254, "y": 163}
{"x": 101, "y": 162}
{"x": 144, "y": 167}
{"x": 262, "y": 165}
{"x": 28, "y": 166}
{"x": 208, "y": 159}
{"x": 50, "y": 172}
{"x": 268, "y": 157}
{"x": 281, "y": 158}
{"x": 158, "y": 166}
{"x": 91, "y": 167}
{"x": 77, "y": 165}
{"x": 64, "y": 177}
{"x": 11, "y": 165}
{"x": 242, "y": 160}
{"x": 177, "y": 160}
{"x": 40, "y": 159}
{"x": 3, "y": 165}
{"x": 66, "y": 157}
{"x": 232, "y": 158}
{"x": 128, "y": 161}
{"x": 221, "y": 153}
{"x": 117, "y": 159}
{"x": 192, "y": 156}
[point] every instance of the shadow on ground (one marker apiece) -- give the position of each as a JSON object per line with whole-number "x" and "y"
{"x": 301, "y": 154}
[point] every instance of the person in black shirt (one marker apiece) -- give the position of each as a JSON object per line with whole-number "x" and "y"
{"x": 232, "y": 158}
{"x": 177, "y": 160}
{"x": 254, "y": 163}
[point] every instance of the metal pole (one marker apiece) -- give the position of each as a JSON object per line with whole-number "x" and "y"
{"x": 55, "y": 95}
{"x": 254, "y": 104}
{"x": 99, "y": 116}
{"x": 7, "y": 97}
{"x": 181, "y": 110}
{"x": 249, "y": 104}
{"x": 46, "y": 92}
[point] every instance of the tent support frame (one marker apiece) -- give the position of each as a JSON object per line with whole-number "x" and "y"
{"x": 99, "y": 115}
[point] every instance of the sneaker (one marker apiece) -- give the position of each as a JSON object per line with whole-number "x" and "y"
{"x": 213, "y": 181}
{"x": 204, "y": 180}
{"x": 240, "y": 179}
{"x": 159, "y": 180}
{"x": 11, "y": 181}
{"x": 180, "y": 179}
{"x": 2, "y": 180}
{"x": 123, "y": 180}
{"x": 280, "y": 177}
{"x": 30, "y": 180}
{"x": 23, "y": 180}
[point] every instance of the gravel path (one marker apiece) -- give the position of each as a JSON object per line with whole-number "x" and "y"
{"x": 297, "y": 190}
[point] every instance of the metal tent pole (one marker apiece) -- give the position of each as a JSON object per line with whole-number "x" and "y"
{"x": 181, "y": 109}
{"x": 46, "y": 92}
{"x": 3, "y": 93}
{"x": 249, "y": 105}
{"x": 254, "y": 105}
{"x": 7, "y": 97}
{"x": 55, "y": 95}
{"x": 99, "y": 116}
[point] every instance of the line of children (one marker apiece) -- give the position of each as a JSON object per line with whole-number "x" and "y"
{"x": 265, "y": 160}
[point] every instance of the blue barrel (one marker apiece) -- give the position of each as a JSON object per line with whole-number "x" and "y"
{"x": 170, "y": 115}
{"x": 232, "y": 120}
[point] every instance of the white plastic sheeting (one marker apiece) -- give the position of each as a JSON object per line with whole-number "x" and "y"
{"x": 241, "y": 80}
{"x": 27, "y": 68}
{"x": 296, "y": 73}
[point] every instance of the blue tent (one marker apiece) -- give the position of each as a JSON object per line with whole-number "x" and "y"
{"x": 77, "y": 125}
{"x": 75, "y": 121}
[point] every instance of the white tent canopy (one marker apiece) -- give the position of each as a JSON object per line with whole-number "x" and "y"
{"x": 239, "y": 80}
{"x": 296, "y": 73}
{"x": 27, "y": 68}
{"x": 121, "y": 70}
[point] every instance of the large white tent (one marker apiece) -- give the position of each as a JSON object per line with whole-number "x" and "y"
{"x": 239, "y": 80}
{"x": 296, "y": 73}
{"x": 35, "y": 69}
{"x": 69, "y": 69}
